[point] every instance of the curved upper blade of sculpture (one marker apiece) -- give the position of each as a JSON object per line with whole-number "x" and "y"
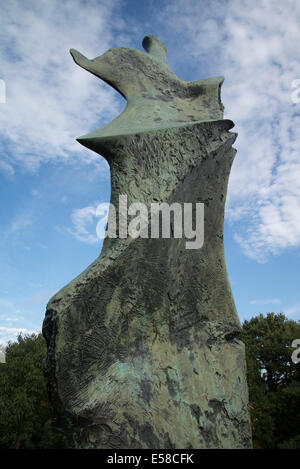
{"x": 156, "y": 97}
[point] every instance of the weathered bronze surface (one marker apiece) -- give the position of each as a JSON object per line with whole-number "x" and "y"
{"x": 143, "y": 348}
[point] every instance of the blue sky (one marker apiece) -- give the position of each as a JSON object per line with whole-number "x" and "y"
{"x": 51, "y": 185}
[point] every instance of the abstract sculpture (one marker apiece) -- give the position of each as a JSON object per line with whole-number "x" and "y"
{"x": 142, "y": 347}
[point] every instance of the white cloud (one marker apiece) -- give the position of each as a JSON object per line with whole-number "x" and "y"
{"x": 274, "y": 301}
{"x": 50, "y": 101}
{"x": 15, "y": 319}
{"x": 90, "y": 223}
{"x": 255, "y": 45}
{"x": 11, "y": 333}
{"x": 8, "y": 308}
{"x": 20, "y": 311}
{"x": 84, "y": 221}
{"x": 10, "y": 319}
{"x": 6, "y": 168}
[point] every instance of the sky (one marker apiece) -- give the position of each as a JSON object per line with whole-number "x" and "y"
{"x": 51, "y": 185}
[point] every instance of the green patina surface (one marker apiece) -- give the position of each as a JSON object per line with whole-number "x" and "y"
{"x": 156, "y": 97}
{"x": 143, "y": 348}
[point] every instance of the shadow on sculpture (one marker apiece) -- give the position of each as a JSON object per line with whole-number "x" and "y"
{"x": 143, "y": 348}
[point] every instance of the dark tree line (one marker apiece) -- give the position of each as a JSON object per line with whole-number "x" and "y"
{"x": 273, "y": 379}
{"x": 24, "y": 414}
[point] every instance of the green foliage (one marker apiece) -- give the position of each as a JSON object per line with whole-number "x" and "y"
{"x": 24, "y": 414}
{"x": 273, "y": 380}
{"x": 292, "y": 443}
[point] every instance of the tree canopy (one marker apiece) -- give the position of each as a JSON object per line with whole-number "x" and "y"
{"x": 273, "y": 380}
{"x": 24, "y": 414}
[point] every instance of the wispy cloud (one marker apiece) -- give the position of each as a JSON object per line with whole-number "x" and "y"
{"x": 274, "y": 301}
{"x": 49, "y": 100}
{"x": 8, "y": 309}
{"x": 7, "y": 168}
{"x": 10, "y": 319}
{"x": 11, "y": 333}
{"x": 84, "y": 222}
{"x": 21, "y": 311}
{"x": 255, "y": 45}
{"x": 21, "y": 221}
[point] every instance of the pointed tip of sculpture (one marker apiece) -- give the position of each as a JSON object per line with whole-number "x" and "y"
{"x": 74, "y": 54}
{"x": 88, "y": 142}
{"x": 83, "y": 140}
{"x": 79, "y": 58}
{"x": 155, "y": 47}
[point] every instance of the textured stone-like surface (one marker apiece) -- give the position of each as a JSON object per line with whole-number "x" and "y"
{"x": 156, "y": 97}
{"x": 143, "y": 348}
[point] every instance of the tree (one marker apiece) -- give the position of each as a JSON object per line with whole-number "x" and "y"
{"x": 273, "y": 380}
{"x": 24, "y": 414}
